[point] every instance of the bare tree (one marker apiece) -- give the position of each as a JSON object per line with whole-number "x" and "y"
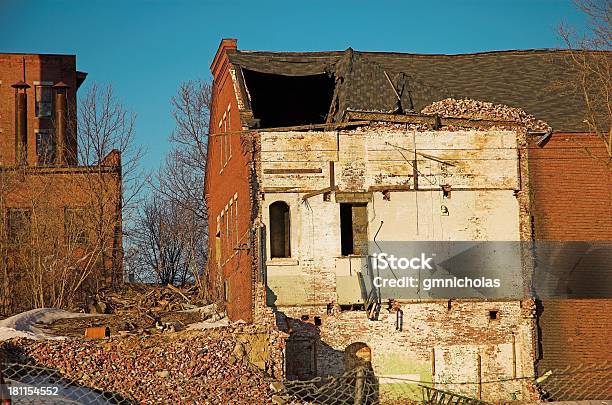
{"x": 179, "y": 183}
{"x": 62, "y": 236}
{"x": 191, "y": 112}
{"x": 590, "y": 56}
{"x": 166, "y": 240}
{"x": 105, "y": 125}
{"x": 186, "y": 163}
{"x": 106, "y": 131}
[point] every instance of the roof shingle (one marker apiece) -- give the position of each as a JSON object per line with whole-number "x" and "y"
{"x": 533, "y": 80}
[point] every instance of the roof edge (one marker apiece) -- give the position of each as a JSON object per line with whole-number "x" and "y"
{"x": 493, "y": 52}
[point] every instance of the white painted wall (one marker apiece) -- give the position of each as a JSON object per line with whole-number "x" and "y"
{"x": 482, "y": 205}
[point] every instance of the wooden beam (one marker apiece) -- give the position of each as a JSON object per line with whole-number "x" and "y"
{"x": 293, "y": 171}
{"x": 297, "y": 128}
{"x": 318, "y": 192}
{"x": 395, "y": 187}
{"x": 431, "y": 120}
{"x": 280, "y": 189}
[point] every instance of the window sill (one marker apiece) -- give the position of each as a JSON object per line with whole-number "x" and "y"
{"x": 282, "y": 262}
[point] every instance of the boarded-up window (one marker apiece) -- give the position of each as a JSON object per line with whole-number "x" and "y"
{"x": 218, "y": 248}
{"x": 280, "y": 230}
{"x": 19, "y": 225}
{"x": 354, "y": 228}
{"x": 75, "y": 225}
{"x": 218, "y": 242}
{"x": 226, "y": 290}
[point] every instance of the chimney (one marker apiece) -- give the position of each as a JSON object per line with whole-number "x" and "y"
{"x": 220, "y": 61}
{"x": 60, "y": 123}
{"x": 21, "y": 123}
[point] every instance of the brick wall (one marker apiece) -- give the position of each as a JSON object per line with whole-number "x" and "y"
{"x": 571, "y": 191}
{"x": 52, "y": 256}
{"x": 439, "y": 342}
{"x": 571, "y": 188}
{"x": 227, "y": 178}
{"x": 41, "y": 69}
{"x": 48, "y": 190}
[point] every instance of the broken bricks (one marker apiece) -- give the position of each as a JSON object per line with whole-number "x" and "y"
{"x": 467, "y": 108}
{"x": 184, "y": 367}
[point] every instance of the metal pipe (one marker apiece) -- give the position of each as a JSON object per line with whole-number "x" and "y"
{"x": 433, "y": 365}
{"x": 21, "y": 128}
{"x": 60, "y": 127}
{"x": 479, "y": 372}
{"x": 513, "y": 355}
{"x": 61, "y": 107}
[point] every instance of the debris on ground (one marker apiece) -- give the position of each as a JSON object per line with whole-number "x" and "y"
{"x": 467, "y": 108}
{"x": 139, "y": 309}
{"x": 210, "y": 366}
{"x": 138, "y": 297}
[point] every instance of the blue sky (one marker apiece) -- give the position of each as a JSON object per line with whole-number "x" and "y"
{"x": 146, "y": 48}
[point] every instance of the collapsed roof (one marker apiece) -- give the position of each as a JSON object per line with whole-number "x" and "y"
{"x": 289, "y": 88}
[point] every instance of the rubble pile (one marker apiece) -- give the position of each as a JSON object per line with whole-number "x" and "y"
{"x": 186, "y": 367}
{"x": 466, "y": 108}
{"x": 139, "y": 296}
{"x": 139, "y": 309}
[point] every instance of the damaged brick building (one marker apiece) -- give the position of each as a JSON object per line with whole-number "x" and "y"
{"x": 314, "y": 155}
{"x": 61, "y": 221}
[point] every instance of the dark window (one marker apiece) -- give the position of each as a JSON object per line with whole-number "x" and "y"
{"x": 493, "y": 315}
{"x": 19, "y": 225}
{"x": 44, "y": 101}
{"x": 45, "y": 147}
{"x": 354, "y": 228}
{"x": 280, "y": 230}
{"x": 75, "y": 225}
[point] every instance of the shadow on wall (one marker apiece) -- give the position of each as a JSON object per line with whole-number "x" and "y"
{"x": 344, "y": 373}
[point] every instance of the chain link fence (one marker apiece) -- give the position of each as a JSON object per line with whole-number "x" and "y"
{"x": 583, "y": 382}
{"x": 28, "y": 384}
{"x": 575, "y": 383}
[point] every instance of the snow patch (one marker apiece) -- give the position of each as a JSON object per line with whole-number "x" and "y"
{"x": 30, "y": 324}
{"x": 209, "y": 324}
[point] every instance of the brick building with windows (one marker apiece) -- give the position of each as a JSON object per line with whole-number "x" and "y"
{"x": 312, "y": 155}
{"x": 60, "y": 221}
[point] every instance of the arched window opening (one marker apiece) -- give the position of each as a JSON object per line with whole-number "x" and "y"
{"x": 280, "y": 230}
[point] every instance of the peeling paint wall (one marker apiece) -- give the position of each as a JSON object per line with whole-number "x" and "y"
{"x": 376, "y": 157}
{"x": 437, "y": 343}
{"x": 404, "y": 202}
{"x": 482, "y": 171}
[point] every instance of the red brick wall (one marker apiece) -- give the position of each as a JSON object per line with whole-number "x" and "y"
{"x": 47, "y": 192}
{"x": 226, "y": 178}
{"x": 576, "y": 331}
{"x": 38, "y": 68}
{"x": 571, "y": 192}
